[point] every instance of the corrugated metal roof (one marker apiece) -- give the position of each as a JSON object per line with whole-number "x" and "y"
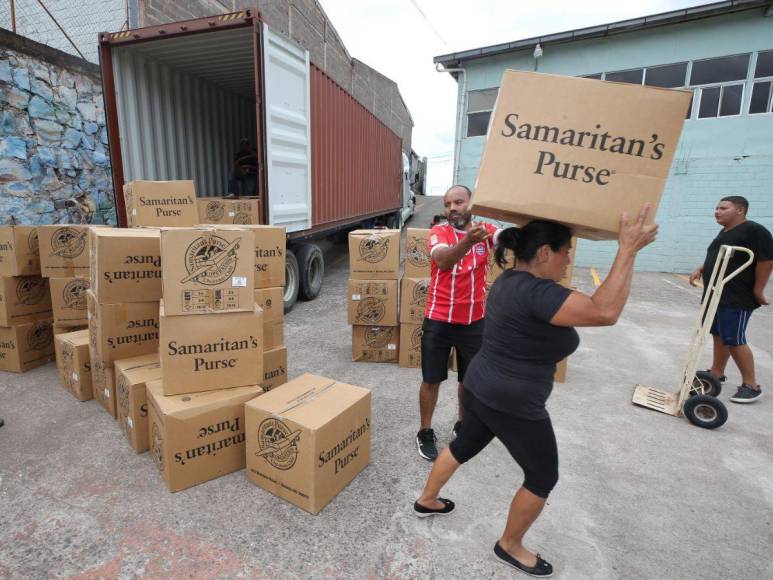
{"x": 223, "y": 58}
{"x": 642, "y": 23}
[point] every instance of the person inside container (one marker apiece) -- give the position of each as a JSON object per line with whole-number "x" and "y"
{"x": 529, "y": 328}
{"x": 243, "y": 178}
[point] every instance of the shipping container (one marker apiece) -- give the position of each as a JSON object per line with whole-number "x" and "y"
{"x": 180, "y": 97}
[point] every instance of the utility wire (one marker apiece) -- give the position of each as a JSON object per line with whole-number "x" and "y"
{"x": 424, "y": 16}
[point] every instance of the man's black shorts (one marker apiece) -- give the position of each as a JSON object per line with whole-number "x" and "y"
{"x": 436, "y": 342}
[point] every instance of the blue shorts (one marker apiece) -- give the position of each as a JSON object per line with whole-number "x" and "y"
{"x": 730, "y": 325}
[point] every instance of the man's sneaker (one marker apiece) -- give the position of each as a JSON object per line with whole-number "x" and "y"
{"x": 426, "y": 443}
{"x": 455, "y": 430}
{"x": 746, "y": 394}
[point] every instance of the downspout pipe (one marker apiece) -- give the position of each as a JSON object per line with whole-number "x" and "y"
{"x": 460, "y": 106}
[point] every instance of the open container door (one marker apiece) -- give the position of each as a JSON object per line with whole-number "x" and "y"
{"x": 287, "y": 109}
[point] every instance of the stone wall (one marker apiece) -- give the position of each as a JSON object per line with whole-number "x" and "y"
{"x": 53, "y": 140}
{"x": 305, "y": 22}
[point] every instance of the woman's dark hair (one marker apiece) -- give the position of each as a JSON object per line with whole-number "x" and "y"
{"x": 525, "y": 241}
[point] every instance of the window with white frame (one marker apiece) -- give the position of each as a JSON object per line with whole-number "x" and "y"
{"x": 719, "y": 85}
{"x": 762, "y": 89}
{"x": 480, "y": 105}
{"x": 668, "y": 76}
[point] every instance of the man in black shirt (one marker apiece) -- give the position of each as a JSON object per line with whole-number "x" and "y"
{"x": 742, "y": 295}
{"x": 244, "y": 170}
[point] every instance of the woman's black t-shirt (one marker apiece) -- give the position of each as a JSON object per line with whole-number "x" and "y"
{"x": 513, "y": 371}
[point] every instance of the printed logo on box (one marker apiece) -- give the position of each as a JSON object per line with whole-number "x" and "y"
{"x": 33, "y": 243}
{"x": 67, "y": 356}
{"x": 377, "y": 337}
{"x": 370, "y": 310}
{"x": 278, "y": 445}
{"x": 157, "y": 446}
{"x": 373, "y": 249}
{"x": 30, "y": 291}
{"x": 242, "y": 218}
{"x": 123, "y": 395}
{"x": 74, "y": 294}
{"x": 210, "y": 260}
{"x": 40, "y": 336}
{"x": 68, "y": 242}
{"x": 214, "y": 210}
{"x": 416, "y": 338}
{"x": 416, "y": 250}
{"x": 420, "y": 292}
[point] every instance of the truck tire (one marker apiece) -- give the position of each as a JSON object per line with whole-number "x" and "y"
{"x": 394, "y": 221}
{"x": 312, "y": 268}
{"x": 292, "y": 280}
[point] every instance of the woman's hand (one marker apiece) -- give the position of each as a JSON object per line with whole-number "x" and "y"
{"x": 635, "y": 235}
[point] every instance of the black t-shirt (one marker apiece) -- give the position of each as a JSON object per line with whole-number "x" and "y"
{"x": 739, "y": 292}
{"x": 513, "y": 371}
{"x": 247, "y": 161}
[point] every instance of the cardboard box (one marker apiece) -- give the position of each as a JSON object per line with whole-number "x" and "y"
{"x": 161, "y": 203}
{"x": 131, "y": 376}
{"x": 198, "y": 437}
{"x": 74, "y": 362}
{"x": 410, "y": 346}
{"x": 274, "y": 368}
{"x": 417, "y": 260}
{"x": 123, "y": 330}
{"x": 24, "y": 299}
{"x": 308, "y": 440}
{"x": 372, "y": 302}
{"x": 212, "y": 352}
{"x": 271, "y": 300}
{"x": 125, "y": 265}
{"x": 413, "y": 300}
{"x": 64, "y": 250}
{"x": 374, "y": 254}
{"x": 375, "y": 343}
{"x": 220, "y": 210}
{"x": 26, "y": 346}
{"x": 577, "y": 151}
{"x": 207, "y": 270}
{"x": 69, "y": 302}
{"x": 19, "y": 251}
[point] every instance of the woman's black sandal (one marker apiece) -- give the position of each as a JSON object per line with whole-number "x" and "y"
{"x": 541, "y": 569}
{"x": 425, "y": 512}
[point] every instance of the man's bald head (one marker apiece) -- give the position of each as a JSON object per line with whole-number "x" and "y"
{"x": 459, "y": 188}
{"x": 456, "y": 206}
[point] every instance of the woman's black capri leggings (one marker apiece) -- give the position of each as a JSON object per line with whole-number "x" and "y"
{"x": 531, "y": 443}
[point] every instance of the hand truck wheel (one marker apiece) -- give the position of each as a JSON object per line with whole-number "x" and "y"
{"x": 705, "y": 411}
{"x": 705, "y": 383}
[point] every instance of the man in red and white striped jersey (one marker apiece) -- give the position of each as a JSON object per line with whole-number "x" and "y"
{"x": 459, "y": 253}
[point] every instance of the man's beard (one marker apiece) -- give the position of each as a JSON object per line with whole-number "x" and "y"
{"x": 460, "y": 220}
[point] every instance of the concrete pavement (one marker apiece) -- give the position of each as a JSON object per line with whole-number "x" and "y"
{"x": 641, "y": 494}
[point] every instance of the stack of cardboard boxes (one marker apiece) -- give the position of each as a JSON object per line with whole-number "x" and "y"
{"x": 122, "y": 303}
{"x": 211, "y": 354}
{"x": 374, "y": 273}
{"x": 269, "y": 295}
{"x": 26, "y": 332}
{"x": 413, "y": 296}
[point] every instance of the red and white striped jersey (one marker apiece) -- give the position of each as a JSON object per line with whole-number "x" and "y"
{"x": 458, "y": 295}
